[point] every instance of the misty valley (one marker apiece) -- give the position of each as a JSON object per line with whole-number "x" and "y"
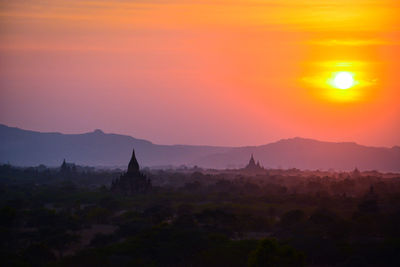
{"x": 83, "y": 216}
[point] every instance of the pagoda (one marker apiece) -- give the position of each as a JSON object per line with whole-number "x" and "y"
{"x": 133, "y": 181}
{"x": 252, "y": 166}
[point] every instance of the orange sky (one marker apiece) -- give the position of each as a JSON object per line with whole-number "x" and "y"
{"x": 222, "y": 72}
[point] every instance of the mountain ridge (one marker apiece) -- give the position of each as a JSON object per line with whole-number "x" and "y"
{"x": 28, "y": 148}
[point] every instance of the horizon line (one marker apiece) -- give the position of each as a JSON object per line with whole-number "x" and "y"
{"x": 204, "y": 145}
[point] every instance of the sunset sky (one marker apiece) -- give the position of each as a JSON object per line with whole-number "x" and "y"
{"x": 217, "y": 72}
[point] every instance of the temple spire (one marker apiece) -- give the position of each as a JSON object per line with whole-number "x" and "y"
{"x": 252, "y": 162}
{"x": 253, "y": 166}
{"x": 133, "y": 181}
{"x": 133, "y": 166}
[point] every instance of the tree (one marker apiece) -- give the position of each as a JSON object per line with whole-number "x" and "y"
{"x": 292, "y": 217}
{"x": 60, "y": 241}
{"x": 271, "y": 253}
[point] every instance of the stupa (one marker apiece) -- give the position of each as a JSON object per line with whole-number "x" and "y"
{"x": 133, "y": 181}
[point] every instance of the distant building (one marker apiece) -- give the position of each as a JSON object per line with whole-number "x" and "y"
{"x": 254, "y": 167}
{"x": 133, "y": 181}
{"x": 67, "y": 169}
{"x": 356, "y": 173}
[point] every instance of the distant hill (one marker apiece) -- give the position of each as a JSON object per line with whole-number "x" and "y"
{"x": 29, "y": 148}
{"x": 311, "y": 154}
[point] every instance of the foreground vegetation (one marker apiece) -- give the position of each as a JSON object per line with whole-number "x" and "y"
{"x": 195, "y": 218}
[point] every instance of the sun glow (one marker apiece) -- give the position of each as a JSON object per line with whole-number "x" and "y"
{"x": 343, "y": 80}
{"x": 343, "y": 86}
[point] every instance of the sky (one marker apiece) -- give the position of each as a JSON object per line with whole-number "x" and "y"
{"x": 220, "y": 72}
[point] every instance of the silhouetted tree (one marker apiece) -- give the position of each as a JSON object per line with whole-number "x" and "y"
{"x": 271, "y": 253}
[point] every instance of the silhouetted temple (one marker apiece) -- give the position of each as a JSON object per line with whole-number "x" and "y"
{"x": 133, "y": 181}
{"x": 253, "y": 166}
{"x": 67, "y": 169}
{"x": 356, "y": 173}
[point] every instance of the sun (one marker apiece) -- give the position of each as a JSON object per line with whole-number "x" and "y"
{"x": 343, "y": 80}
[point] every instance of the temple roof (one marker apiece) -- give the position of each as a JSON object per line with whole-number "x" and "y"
{"x": 133, "y": 166}
{"x": 253, "y": 166}
{"x": 252, "y": 162}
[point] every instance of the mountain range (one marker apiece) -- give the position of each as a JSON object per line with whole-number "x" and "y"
{"x": 29, "y": 148}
